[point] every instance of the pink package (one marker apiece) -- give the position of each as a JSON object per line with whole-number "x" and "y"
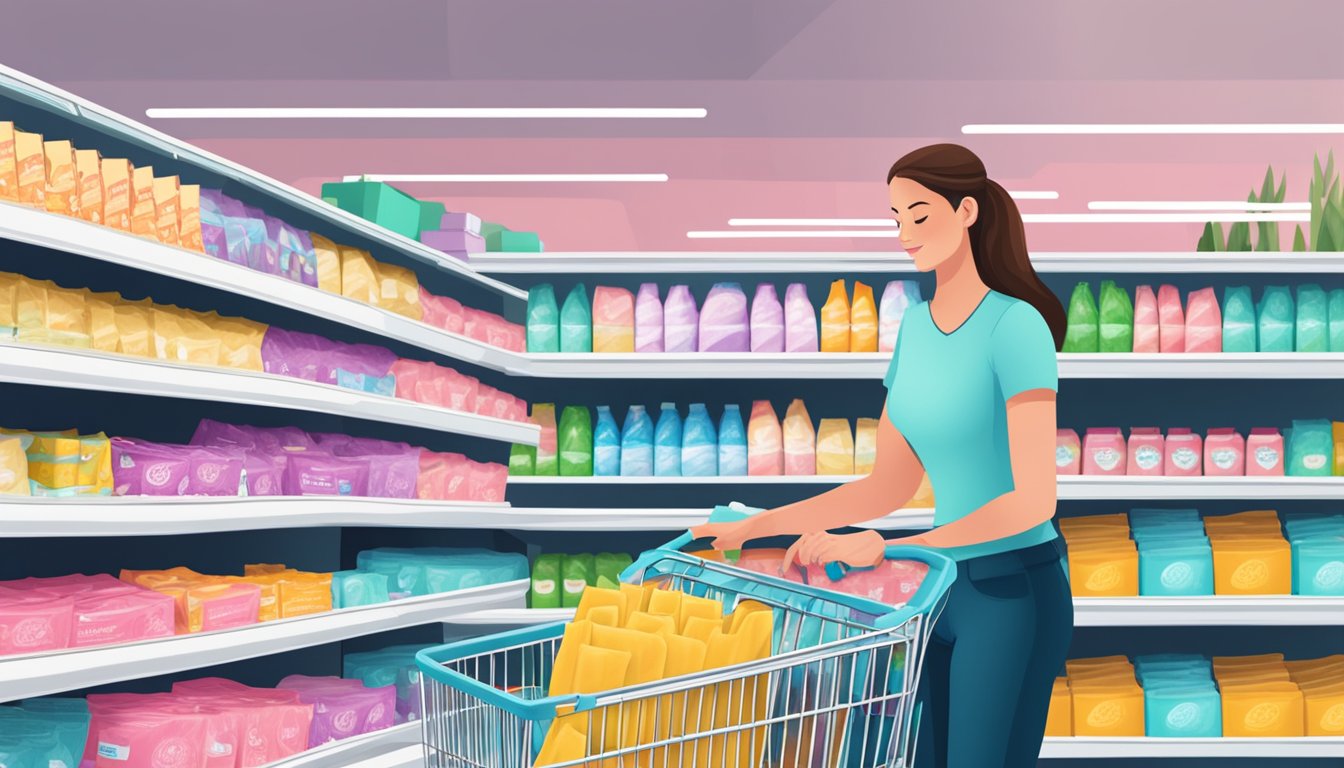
{"x": 148, "y": 739}
{"x": 443, "y": 476}
{"x": 1147, "y": 328}
{"x": 681, "y": 320}
{"x": 490, "y": 401}
{"x": 32, "y": 621}
{"x": 273, "y": 724}
{"x": 499, "y": 332}
{"x": 1104, "y": 451}
{"x": 393, "y": 467}
{"x": 1264, "y": 452}
{"x": 210, "y": 432}
{"x": 648, "y": 319}
{"x": 769, "y": 562}
{"x": 765, "y": 441}
{"x": 800, "y": 320}
{"x": 343, "y": 708}
{"x": 1203, "y": 322}
{"x": 515, "y": 336}
{"x": 315, "y": 473}
{"x": 767, "y": 320}
{"x": 441, "y": 312}
{"x": 613, "y": 314}
{"x": 1184, "y": 452}
{"x": 76, "y": 584}
{"x": 892, "y": 582}
{"x": 1147, "y": 452}
{"x": 475, "y": 324}
{"x": 1171, "y": 319}
{"x": 485, "y": 482}
{"x": 1068, "y": 453}
{"x": 140, "y": 614}
{"x": 140, "y": 467}
{"x": 1224, "y": 453}
{"x": 234, "y": 605}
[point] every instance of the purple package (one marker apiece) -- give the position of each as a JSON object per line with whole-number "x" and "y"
{"x": 451, "y": 241}
{"x": 263, "y": 251}
{"x": 767, "y": 320}
{"x": 294, "y": 354}
{"x": 365, "y": 359}
{"x": 460, "y": 222}
{"x": 228, "y": 221}
{"x": 394, "y": 468}
{"x": 213, "y": 236}
{"x": 724, "y": 325}
{"x": 265, "y": 473}
{"x": 648, "y": 319}
{"x": 343, "y": 708}
{"x": 141, "y": 468}
{"x": 800, "y": 320}
{"x": 247, "y": 235}
{"x": 298, "y": 262}
{"x": 215, "y": 471}
{"x": 681, "y": 320}
{"x": 314, "y": 473}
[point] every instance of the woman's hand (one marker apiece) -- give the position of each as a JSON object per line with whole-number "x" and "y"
{"x": 727, "y": 536}
{"x": 856, "y": 550}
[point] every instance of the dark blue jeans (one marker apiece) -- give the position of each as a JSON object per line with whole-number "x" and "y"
{"x": 987, "y": 674}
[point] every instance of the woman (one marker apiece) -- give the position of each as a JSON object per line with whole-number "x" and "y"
{"x": 971, "y": 401}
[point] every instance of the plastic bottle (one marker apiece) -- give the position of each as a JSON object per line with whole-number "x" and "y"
{"x": 732, "y": 443}
{"x": 800, "y": 441}
{"x": 681, "y": 320}
{"x": 800, "y": 320}
{"x": 648, "y": 319}
{"x": 667, "y": 442}
{"x": 863, "y": 320}
{"x": 637, "y": 443}
{"x": 765, "y": 441}
{"x": 576, "y": 322}
{"x": 613, "y": 320}
{"x": 606, "y": 444}
{"x": 767, "y": 320}
{"x": 575, "y": 442}
{"x": 699, "y": 444}
{"x": 835, "y": 320}
{"x": 897, "y": 297}
{"x": 724, "y": 323}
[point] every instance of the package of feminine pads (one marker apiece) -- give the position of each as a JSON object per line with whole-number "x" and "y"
{"x": 724, "y": 321}
{"x": 343, "y": 708}
{"x": 144, "y": 468}
{"x": 648, "y": 319}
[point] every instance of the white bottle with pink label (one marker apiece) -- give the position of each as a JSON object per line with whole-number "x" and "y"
{"x": 1224, "y": 453}
{"x": 1147, "y": 452}
{"x": 1185, "y": 451}
{"x": 1104, "y": 451}
{"x": 1264, "y": 453}
{"x": 1068, "y": 453}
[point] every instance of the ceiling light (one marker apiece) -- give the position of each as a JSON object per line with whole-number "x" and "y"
{"x": 740, "y": 234}
{"x": 1159, "y": 218}
{"x": 1155, "y": 129}
{"x": 493, "y": 178}
{"x": 1193, "y": 205}
{"x": 423, "y": 113}
{"x": 811, "y": 223}
{"x": 1041, "y": 194}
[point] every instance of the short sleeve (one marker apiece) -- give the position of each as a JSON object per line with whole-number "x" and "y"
{"x": 1024, "y": 352}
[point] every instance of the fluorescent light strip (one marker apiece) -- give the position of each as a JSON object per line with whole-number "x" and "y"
{"x": 494, "y": 178}
{"x": 1192, "y": 205}
{"x": 787, "y": 233}
{"x": 1043, "y": 194}
{"x": 1050, "y": 218}
{"x": 1153, "y": 129}
{"x": 811, "y": 223}
{"x": 425, "y": 113}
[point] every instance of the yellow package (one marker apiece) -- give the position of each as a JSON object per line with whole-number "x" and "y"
{"x": 302, "y": 594}
{"x": 835, "y": 447}
{"x": 636, "y": 597}
{"x": 1107, "y": 710}
{"x": 9, "y": 286}
{"x": 135, "y": 334}
{"x": 1311, "y": 668}
{"x": 1262, "y": 659}
{"x": 698, "y": 607}
{"x": 566, "y": 664}
{"x": 359, "y": 276}
{"x": 144, "y": 218}
{"x": 46, "y": 313}
{"x": 65, "y": 464}
{"x": 239, "y": 340}
{"x": 328, "y": 263}
{"x": 741, "y": 701}
{"x": 269, "y": 607}
{"x": 596, "y": 669}
{"x": 165, "y": 210}
{"x": 1264, "y": 710}
{"x": 605, "y": 615}
{"x": 1253, "y": 676}
{"x": 399, "y": 291}
{"x": 702, "y": 629}
{"x": 1059, "y": 719}
{"x": 189, "y": 217}
{"x": 595, "y": 597}
{"x": 685, "y": 656}
{"x": 117, "y": 193}
{"x": 1324, "y": 709}
{"x": 89, "y": 184}
{"x": 835, "y": 320}
{"x": 654, "y": 625}
{"x": 181, "y": 338}
{"x": 1259, "y": 566}
{"x": 865, "y": 446}
{"x": 101, "y": 308}
{"x": 1075, "y": 666}
{"x": 257, "y": 569}
{"x": 14, "y": 465}
{"x": 923, "y": 498}
{"x": 1337, "y": 434}
{"x": 648, "y": 662}
{"x": 9, "y": 177}
{"x": 62, "y": 193}
{"x": 1118, "y": 520}
{"x": 30, "y": 163}
{"x": 863, "y": 320}
{"x": 1104, "y": 571}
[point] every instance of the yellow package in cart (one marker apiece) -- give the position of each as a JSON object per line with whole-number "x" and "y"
{"x": 328, "y": 263}
{"x": 1263, "y": 710}
{"x": 62, "y": 193}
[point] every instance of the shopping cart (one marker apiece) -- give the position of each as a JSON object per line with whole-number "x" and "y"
{"x": 838, "y": 690}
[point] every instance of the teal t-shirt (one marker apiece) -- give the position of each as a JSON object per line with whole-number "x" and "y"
{"x": 947, "y": 393}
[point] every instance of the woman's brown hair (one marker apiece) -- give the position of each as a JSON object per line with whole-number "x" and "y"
{"x": 998, "y": 239}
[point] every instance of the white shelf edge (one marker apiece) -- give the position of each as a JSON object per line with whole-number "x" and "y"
{"x": 403, "y": 757}
{"x": 83, "y": 369}
{"x": 356, "y": 750}
{"x": 1226, "y": 748}
{"x": 652, "y": 519}
{"x": 707, "y": 481}
{"x": 95, "y": 116}
{"x": 49, "y": 230}
{"x": 43, "y": 674}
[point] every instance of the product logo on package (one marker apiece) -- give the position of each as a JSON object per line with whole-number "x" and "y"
{"x": 344, "y": 722}
{"x": 1250, "y": 574}
{"x": 1314, "y": 461}
{"x": 1063, "y": 456}
{"x": 375, "y": 715}
{"x": 209, "y": 473}
{"x": 1182, "y": 716}
{"x": 1107, "y": 458}
{"x": 171, "y": 753}
{"x": 1333, "y": 719}
{"x": 1178, "y": 576}
{"x": 1185, "y": 458}
{"x": 1147, "y": 457}
{"x": 1104, "y": 578}
{"x": 1267, "y": 458}
{"x": 1106, "y": 715}
{"x": 1330, "y": 575}
{"x": 1263, "y": 716}
{"x": 158, "y": 475}
{"x": 35, "y": 631}
{"x": 1224, "y": 459}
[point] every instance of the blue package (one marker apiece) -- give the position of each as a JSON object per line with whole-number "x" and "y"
{"x": 606, "y": 444}
{"x": 378, "y": 385}
{"x": 732, "y": 443}
{"x": 1176, "y": 568}
{"x": 699, "y": 444}
{"x": 637, "y": 443}
{"x": 1182, "y": 711}
{"x": 667, "y": 443}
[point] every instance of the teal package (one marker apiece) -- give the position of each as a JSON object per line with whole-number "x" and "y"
{"x": 1318, "y": 567}
{"x": 606, "y": 444}
{"x": 1277, "y": 320}
{"x": 1312, "y": 320}
{"x": 576, "y": 321}
{"x": 543, "y": 319}
{"x": 1239, "y": 320}
{"x": 354, "y": 589}
{"x": 1195, "y": 712}
{"x": 1141, "y": 516}
{"x": 1175, "y": 570}
{"x": 1335, "y": 315}
{"x": 667, "y": 442}
{"x": 1311, "y": 449}
{"x": 380, "y": 203}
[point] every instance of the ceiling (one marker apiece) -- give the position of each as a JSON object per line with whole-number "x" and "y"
{"x": 808, "y": 102}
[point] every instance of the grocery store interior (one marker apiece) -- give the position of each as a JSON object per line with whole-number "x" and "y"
{"x": 365, "y": 328}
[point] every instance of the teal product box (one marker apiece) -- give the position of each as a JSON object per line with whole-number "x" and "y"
{"x": 353, "y": 589}
{"x": 1182, "y": 712}
{"x": 380, "y": 203}
{"x": 1318, "y": 566}
{"x": 431, "y": 214}
{"x": 508, "y": 241}
{"x": 1175, "y": 568}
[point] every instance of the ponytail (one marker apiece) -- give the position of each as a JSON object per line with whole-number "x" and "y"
{"x": 998, "y": 237}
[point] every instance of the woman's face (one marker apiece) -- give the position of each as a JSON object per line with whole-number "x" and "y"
{"x": 931, "y": 229}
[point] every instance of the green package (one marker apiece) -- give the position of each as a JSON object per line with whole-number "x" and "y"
{"x": 543, "y": 319}
{"x": 609, "y": 566}
{"x": 1084, "y": 333}
{"x": 431, "y": 215}
{"x": 579, "y": 573}
{"x": 523, "y": 460}
{"x": 545, "y": 592}
{"x": 1117, "y": 319}
{"x": 1278, "y": 320}
{"x": 384, "y": 205}
{"x": 576, "y": 322}
{"x": 547, "y": 462}
{"x": 1312, "y": 319}
{"x": 1335, "y": 315}
{"x": 1239, "y": 323}
{"x": 508, "y": 241}
{"x": 1311, "y": 449}
{"x": 574, "y": 441}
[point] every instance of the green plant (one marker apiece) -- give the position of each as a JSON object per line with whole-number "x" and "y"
{"x": 1299, "y": 242}
{"x": 1239, "y": 234}
{"x": 1212, "y": 237}
{"x": 1268, "y": 239}
{"x": 1327, "y": 207}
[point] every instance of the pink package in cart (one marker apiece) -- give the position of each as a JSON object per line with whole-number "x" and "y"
{"x": 1171, "y": 319}
{"x": 32, "y": 621}
{"x": 892, "y": 582}
{"x": 315, "y": 473}
{"x": 1068, "y": 453}
{"x": 1185, "y": 450}
{"x": 1264, "y": 452}
{"x": 769, "y": 562}
{"x": 126, "y": 617}
{"x": 1147, "y": 452}
{"x": 1147, "y": 325}
{"x": 1224, "y": 453}
{"x": 1104, "y": 451}
{"x": 1203, "y": 322}
{"x": 441, "y": 312}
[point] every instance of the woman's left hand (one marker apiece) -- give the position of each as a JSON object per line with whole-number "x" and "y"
{"x": 856, "y": 550}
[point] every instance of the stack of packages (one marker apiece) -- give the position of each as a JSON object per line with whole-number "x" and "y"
{"x": 559, "y": 581}
{"x": 1175, "y": 555}
{"x": 1317, "y": 545}
{"x": 456, "y": 234}
{"x": 263, "y": 593}
{"x": 1103, "y": 561}
{"x": 634, "y": 635}
{"x": 1250, "y": 554}
{"x": 45, "y": 732}
{"x": 394, "y": 666}
{"x": 246, "y": 236}
{"x": 387, "y": 574}
{"x": 619, "y": 321}
{"x": 1313, "y": 449}
{"x": 342, "y": 708}
{"x": 1103, "y": 697}
{"x": 46, "y": 614}
{"x": 60, "y": 464}
{"x": 442, "y": 386}
{"x": 57, "y": 177}
{"x": 501, "y": 239}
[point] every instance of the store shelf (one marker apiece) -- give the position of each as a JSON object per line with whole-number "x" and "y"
{"x": 1217, "y": 611}
{"x": 82, "y": 369}
{"x": 358, "y": 750}
{"x": 48, "y": 230}
{"x": 511, "y": 617}
{"x": 647, "y": 519}
{"x": 47, "y": 673}
{"x": 335, "y": 221}
{"x": 707, "y": 481}
{"x": 1087, "y": 748}
{"x": 1083, "y": 488}
{"x": 775, "y": 262}
{"x": 402, "y": 757}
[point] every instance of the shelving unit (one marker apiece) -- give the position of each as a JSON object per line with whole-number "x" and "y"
{"x": 395, "y": 747}
{"x": 1076, "y": 748}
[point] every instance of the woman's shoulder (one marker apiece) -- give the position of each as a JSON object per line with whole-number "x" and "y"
{"x": 1013, "y": 307}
